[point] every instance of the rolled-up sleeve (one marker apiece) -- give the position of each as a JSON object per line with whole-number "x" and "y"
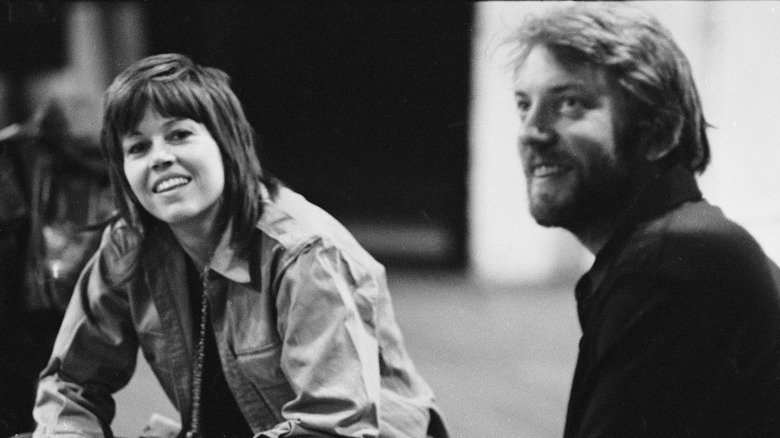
{"x": 330, "y": 350}
{"x": 94, "y": 354}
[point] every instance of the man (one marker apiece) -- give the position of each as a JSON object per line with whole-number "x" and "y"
{"x": 680, "y": 310}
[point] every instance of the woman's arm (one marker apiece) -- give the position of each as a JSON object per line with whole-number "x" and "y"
{"x": 330, "y": 351}
{"x": 94, "y": 354}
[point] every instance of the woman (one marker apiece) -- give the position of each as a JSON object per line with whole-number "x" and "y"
{"x": 258, "y": 312}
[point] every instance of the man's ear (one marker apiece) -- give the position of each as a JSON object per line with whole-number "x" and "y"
{"x": 659, "y": 140}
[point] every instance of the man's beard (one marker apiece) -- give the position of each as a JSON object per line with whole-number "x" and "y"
{"x": 601, "y": 197}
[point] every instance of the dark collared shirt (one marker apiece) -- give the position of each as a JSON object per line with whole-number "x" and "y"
{"x": 681, "y": 325}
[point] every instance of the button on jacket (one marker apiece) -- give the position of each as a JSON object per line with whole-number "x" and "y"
{"x": 305, "y": 331}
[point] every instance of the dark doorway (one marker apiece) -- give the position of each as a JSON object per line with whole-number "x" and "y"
{"x": 363, "y": 107}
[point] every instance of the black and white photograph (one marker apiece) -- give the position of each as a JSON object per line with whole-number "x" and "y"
{"x": 389, "y": 219}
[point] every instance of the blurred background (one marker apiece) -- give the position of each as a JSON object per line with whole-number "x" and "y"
{"x": 398, "y": 118}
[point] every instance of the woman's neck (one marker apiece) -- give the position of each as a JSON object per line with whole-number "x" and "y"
{"x": 199, "y": 242}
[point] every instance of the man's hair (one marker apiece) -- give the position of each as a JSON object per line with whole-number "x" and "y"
{"x": 640, "y": 55}
{"x": 174, "y": 86}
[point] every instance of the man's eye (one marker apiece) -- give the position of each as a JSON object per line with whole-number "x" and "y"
{"x": 523, "y": 106}
{"x": 571, "y": 106}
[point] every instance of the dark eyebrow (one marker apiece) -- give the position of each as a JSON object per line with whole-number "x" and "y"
{"x": 563, "y": 88}
{"x": 174, "y": 120}
{"x": 575, "y": 86}
{"x": 166, "y": 124}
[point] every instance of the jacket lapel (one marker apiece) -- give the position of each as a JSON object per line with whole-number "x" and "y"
{"x": 165, "y": 273}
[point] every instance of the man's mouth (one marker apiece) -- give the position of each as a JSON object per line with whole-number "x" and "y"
{"x": 548, "y": 170}
{"x": 170, "y": 184}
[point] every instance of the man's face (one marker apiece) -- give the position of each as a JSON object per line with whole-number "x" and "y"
{"x": 570, "y": 117}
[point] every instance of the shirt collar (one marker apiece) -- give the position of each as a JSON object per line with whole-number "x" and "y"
{"x": 672, "y": 188}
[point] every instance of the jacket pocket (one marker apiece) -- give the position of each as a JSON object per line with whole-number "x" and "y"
{"x": 262, "y": 364}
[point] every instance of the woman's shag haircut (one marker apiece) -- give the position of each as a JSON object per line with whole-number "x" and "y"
{"x": 174, "y": 86}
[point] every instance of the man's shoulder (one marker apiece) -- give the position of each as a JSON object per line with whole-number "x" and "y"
{"x": 694, "y": 228}
{"x": 700, "y": 230}
{"x": 695, "y": 247}
{"x": 694, "y": 260}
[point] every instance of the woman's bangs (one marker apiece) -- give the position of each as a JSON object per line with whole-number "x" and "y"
{"x": 177, "y": 99}
{"x": 130, "y": 110}
{"x": 168, "y": 99}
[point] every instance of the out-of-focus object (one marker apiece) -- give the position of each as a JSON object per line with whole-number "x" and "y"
{"x": 54, "y": 200}
{"x": 160, "y": 426}
{"x": 67, "y": 201}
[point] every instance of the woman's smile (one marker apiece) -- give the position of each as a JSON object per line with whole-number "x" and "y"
{"x": 175, "y": 169}
{"x": 168, "y": 183}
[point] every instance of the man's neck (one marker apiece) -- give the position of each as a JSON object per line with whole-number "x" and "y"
{"x": 595, "y": 236}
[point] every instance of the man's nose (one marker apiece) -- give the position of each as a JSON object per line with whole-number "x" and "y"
{"x": 536, "y": 129}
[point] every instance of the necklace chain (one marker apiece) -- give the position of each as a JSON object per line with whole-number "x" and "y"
{"x": 197, "y": 373}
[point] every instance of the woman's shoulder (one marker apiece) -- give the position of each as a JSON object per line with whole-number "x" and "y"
{"x": 121, "y": 236}
{"x": 119, "y": 247}
{"x": 292, "y": 222}
{"x": 291, "y": 219}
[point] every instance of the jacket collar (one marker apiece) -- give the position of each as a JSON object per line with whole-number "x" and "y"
{"x": 226, "y": 262}
{"x": 670, "y": 189}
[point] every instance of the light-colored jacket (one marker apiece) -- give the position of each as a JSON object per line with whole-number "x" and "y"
{"x": 305, "y": 330}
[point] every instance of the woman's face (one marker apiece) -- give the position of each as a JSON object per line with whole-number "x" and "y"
{"x": 175, "y": 170}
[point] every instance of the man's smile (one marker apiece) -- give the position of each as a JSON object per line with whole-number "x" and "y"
{"x": 548, "y": 170}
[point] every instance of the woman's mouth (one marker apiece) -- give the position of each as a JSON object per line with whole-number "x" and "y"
{"x": 168, "y": 184}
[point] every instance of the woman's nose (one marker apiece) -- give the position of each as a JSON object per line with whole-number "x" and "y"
{"x": 162, "y": 157}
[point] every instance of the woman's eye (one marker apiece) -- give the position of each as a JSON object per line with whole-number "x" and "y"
{"x": 179, "y": 134}
{"x": 136, "y": 148}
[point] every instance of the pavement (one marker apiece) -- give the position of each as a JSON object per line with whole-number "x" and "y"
{"x": 500, "y": 359}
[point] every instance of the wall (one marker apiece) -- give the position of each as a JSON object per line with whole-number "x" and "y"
{"x": 101, "y": 39}
{"x": 732, "y": 49}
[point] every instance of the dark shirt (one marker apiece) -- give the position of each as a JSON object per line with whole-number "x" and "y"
{"x": 681, "y": 325}
{"x": 220, "y": 416}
